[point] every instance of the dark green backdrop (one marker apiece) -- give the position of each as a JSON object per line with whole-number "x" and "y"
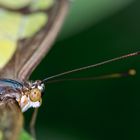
{"x": 93, "y": 110}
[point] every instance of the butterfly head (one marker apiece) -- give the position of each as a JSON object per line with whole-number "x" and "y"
{"x": 32, "y": 95}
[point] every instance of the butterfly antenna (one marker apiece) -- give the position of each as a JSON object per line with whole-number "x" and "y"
{"x": 91, "y": 66}
{"x": 130, "y": 72}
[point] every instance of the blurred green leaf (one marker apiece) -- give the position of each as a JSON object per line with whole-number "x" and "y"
{"x": 25, "y": 136}
{"x": 93, "y": 11}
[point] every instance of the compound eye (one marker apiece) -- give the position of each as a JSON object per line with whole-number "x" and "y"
{"x": 35, "y": 95}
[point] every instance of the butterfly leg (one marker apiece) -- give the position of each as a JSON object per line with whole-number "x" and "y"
{"x": 32, "y": 123}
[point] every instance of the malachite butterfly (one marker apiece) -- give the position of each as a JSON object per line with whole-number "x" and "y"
{"x": 27, "y": 30}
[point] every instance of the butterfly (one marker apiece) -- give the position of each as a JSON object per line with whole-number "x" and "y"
{"x": 28, "y": 30}
{"x": 23, "y": 94}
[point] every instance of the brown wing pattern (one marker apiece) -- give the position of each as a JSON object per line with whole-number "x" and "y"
{"x": 31, "y": 51}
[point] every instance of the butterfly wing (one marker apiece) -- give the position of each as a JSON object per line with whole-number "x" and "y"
{"x": 38, "y": 28}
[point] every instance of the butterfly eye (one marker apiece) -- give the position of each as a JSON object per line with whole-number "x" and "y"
{"x": 35, "y": 95}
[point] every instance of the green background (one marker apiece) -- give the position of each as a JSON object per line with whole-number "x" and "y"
{"x": 92, "y": 110}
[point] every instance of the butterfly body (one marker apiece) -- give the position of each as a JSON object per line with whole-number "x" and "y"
{"x": 27, "y": 94}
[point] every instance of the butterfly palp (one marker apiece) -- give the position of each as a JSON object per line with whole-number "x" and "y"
{"x": 31, "y": 95}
